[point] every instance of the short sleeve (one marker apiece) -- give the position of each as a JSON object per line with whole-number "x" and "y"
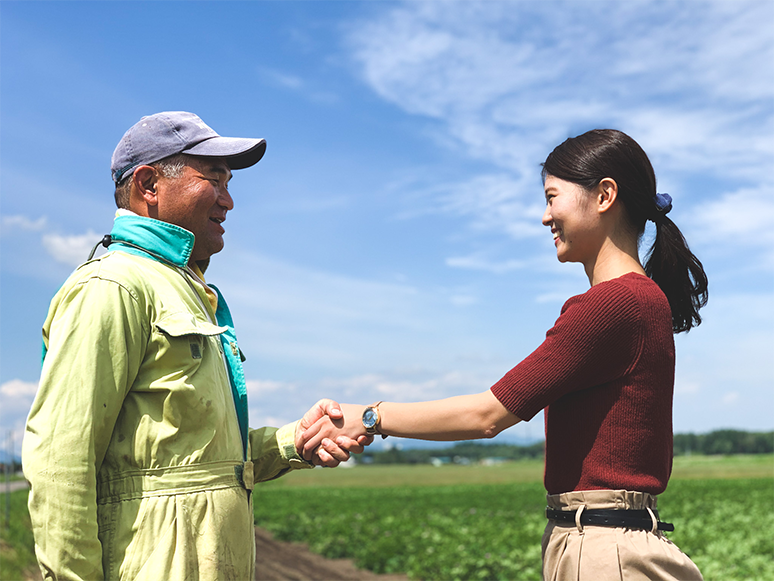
{"x": 594, "y": 341}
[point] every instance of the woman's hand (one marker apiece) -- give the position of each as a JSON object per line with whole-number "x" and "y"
{"x": 326, "y": 452}
{"x": 334, "y": 431}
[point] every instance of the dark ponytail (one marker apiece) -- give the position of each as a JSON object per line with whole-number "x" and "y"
{"x": 606, "y": 153}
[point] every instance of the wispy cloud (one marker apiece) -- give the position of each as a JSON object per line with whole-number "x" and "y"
{"x": 496, "y": 203}
{"x": 273, "y": 407}
{"x": 281, "y": 78}
{"x": 296, "y": 84}
{"x": 70, "y": 250}
{"x": 507, "y": 81}
{"x": 16, "y": 398}
{"x": 478, "y": 262}
{"x": 11, "y": 223}
{"x": 736, "y": 216}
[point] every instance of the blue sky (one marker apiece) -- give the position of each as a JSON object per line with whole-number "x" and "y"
{"x": 389, "y": 246}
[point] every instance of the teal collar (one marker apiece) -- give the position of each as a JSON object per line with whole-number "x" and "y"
{"x": 160, "y": 239}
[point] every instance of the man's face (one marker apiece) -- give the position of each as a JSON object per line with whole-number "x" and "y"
{"x": 198, "y": 201}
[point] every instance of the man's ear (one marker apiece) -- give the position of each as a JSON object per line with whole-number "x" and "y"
{"x": 145, "y": 180}
{"x": 607, "y": 194}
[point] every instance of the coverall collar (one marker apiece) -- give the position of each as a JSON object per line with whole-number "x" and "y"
{"x": 162, "y": 239}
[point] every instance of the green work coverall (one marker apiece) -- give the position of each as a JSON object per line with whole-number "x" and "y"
{"x": 137, "y": 446}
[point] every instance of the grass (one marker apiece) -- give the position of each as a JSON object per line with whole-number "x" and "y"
{"x": 391, "y": 475}
{"x": 740, "y": 466}
{"x": 17, "y": 547}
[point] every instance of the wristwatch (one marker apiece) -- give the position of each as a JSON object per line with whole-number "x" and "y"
{"x": 372, "y": 420}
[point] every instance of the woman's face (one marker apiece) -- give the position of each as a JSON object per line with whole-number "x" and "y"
{"x": 571, "y": 214}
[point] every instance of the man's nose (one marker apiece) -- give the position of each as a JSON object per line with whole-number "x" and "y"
{"x": 226, "y": 200}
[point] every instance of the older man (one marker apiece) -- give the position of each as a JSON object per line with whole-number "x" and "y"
{"x": 137, "y": 445}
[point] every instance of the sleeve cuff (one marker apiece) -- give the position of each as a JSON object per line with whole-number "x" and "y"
{"x": 286, "y": 439}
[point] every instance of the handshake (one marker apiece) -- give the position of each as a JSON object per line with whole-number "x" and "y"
{"x": 329, "y": 432}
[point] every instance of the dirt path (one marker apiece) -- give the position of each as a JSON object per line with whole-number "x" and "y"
{"x": 278, "y": 561}
{"x": 13, "y": 486}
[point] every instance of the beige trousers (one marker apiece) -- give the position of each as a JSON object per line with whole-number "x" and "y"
{"x": 596, "y": 553}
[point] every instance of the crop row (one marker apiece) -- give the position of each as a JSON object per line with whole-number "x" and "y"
{"x": 493, "y": 531}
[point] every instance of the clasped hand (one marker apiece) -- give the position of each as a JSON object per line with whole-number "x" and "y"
{"x": 328, "y": 433}
{"x": 334, "y": 433}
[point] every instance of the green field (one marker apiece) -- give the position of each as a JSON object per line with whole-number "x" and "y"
{"x": 474, "y": 522}
{"x": 17, "y": 552}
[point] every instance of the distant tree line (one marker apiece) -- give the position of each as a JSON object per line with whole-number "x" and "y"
{"x": 724, "y": 442}
{"x": 717, "y": 442}
{"x": 457, "y": 453}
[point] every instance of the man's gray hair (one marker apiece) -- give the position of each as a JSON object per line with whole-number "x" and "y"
{"x": 170, "y": 167}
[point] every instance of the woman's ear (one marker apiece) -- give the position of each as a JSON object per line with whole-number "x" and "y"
{"x": 607, "y": 194}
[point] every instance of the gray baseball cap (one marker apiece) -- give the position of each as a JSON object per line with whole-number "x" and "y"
{"x": 158, "y": 136}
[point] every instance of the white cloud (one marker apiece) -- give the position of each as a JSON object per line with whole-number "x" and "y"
{"x": 70, "y": 250}
{"x": 730, "y": 398}
{"x": 497, "y": 202}
{"x": 734, "y": 217}
{"x": 282, "y": 79}
{"x": 17, "y": 388}
{"x": 727, "y": 354}
{"x": 477, "y": 262}
{"x": 687, "y": 388}
{"x": 402, "y": 386}
{"x": 463, "y": 300}
{"x": 256, "y": 388}
{"x": 16, "y": 397}
{"x": 551, "y": 298}
{"x": 303, "y": 314}
{"x": 407, "y": 385}
{"x": 296, "y": 84}
{"x": 9, "y": 224}
{"x": 507, "y": 81}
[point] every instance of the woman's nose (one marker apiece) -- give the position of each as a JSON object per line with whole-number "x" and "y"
{"x": 547, "y": 219}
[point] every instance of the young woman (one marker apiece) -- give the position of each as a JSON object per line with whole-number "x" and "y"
{"x": 604, "y": 374}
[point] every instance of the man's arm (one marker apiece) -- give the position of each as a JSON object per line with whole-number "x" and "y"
{"x": 95, "y": 345}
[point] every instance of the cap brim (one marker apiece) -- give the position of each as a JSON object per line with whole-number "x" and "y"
{"x": 239, "y": 152}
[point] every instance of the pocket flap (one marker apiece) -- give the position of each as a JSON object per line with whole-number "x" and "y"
{"x": 181, "y": 324}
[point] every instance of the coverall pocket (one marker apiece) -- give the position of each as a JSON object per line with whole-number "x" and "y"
{"x": 184, "y": 337}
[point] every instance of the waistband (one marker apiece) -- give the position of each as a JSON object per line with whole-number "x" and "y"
{"x": 611, "y": 499}
{"x": 171, "y": 480}
{"x": 611, "y": 517}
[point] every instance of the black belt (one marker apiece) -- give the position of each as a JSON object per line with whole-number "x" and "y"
{"x": 630, "y": 519}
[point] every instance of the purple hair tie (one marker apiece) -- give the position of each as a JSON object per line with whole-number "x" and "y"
{"x": 663, "y": 203}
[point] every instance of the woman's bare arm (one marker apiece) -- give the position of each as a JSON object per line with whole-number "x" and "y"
{"x": 464, "y": 417}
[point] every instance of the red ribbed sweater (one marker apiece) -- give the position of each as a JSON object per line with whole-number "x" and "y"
{"x": 605, "y": 375}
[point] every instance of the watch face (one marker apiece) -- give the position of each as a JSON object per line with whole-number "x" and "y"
{"x": 369, "y": 418}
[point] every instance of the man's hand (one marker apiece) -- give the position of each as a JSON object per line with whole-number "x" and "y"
{"x": 334, "y": 428}
{"x": 326, "y": 452}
